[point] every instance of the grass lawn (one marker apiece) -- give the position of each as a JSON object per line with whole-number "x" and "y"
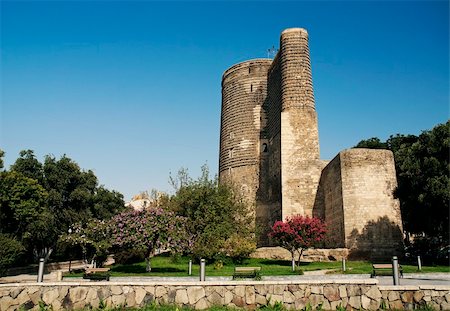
{"x": 164, "y": 266}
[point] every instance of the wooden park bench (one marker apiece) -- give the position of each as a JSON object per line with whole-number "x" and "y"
{"x": 96, "y": 274}
{"x": 384, "y": 269}
{"x": 247, "y": 272}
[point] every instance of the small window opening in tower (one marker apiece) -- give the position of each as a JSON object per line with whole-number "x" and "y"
{"x": 251, "y": 87}
{"x": 230, "y": 153}
{"x": 249, "y": 70}
{"x": 264, "y": 147}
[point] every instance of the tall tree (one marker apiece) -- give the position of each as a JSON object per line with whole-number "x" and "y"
{"x": 214, "y": 214}
{"x": 29, "y": 166}
{"x": 24, "y": 212}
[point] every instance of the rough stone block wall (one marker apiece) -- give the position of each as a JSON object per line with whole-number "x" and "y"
{"x": 359, "y": 295}
{"x": 372, "y": 220}
{"x": 330, "y": 188}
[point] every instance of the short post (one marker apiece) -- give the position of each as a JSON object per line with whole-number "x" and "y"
{"x": 343, "y": 265}
{"x": 202, "y": 270}
{"x": 419, "y": 263}
{"x": 40, "y": 277}
{"x": 395, "y": 270}
{"x": 293, "y": 264}
{"x": 190, "y": 267}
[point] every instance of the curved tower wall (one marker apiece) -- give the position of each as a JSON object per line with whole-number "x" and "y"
{"x": 244, "y": 88}
{"x": 300, "y": 164}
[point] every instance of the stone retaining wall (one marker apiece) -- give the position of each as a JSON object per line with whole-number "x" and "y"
{"x": 352, "y": 294}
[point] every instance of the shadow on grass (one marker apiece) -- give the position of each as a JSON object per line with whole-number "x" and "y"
{"x": 141, "y": 269}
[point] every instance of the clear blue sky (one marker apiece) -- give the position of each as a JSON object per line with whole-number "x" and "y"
{"x": 132, "y": 90}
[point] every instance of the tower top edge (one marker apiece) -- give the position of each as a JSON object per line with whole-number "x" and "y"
{"x": 297, "y": 29}
{"x": 262, "y": 61}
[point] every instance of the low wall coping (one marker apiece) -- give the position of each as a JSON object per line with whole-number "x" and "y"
{"x": 413, "y": 287}
{"x": 196, "y": 283}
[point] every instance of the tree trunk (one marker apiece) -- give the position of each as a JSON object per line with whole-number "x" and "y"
{"x": 149, "y": 264}
{"x": 293, "y": 260}
{"x": 300, "y": 252}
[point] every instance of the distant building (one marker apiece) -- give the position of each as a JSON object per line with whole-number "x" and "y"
{"x": 269, "y": 151}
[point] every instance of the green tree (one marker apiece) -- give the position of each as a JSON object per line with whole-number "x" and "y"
{"x": 11, "y": 252}
{"x": 94, "y": 239}
{"x": 29, "y": 166}
{"x": 2, "y": 154}
{"x": 24, "y": 212}
{"x": 371, "y": 143}
{"x": 107, "y": 203}
{"x": 215, "y": 214}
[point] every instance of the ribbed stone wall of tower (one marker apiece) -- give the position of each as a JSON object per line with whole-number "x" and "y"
{"x": 300, "y": 165}
{"x": 244, "y": 88}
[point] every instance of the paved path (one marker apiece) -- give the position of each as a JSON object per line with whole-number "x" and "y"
{"x": 408, "y": 279}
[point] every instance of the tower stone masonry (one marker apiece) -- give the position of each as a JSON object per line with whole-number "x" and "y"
{"x": 269, "y": 153}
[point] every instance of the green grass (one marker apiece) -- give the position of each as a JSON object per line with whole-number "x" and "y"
{"x": 164, "y": 266}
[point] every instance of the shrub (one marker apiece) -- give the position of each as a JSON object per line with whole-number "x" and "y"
{"x": 239, "y": 248}
{"x": 11, "y": 252}
{"x": 129, "y": 256}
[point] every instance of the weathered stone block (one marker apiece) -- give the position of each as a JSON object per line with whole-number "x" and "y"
{"x": 355, "y": 302}
{"x": 393, "y": 296}
{"x": 331, "y": 293}
{"x": 228, "y": 297}
{"x": 250, "y": 295}
{"x": 239, "y": 291}
{"x": 396, "y": 304}
{"x": 195, "y": 293}
{"x": 365, "y": 302}
{"x": 407, "y": 296}
{"x": 279, "y": 289}
{"x": 160, "y": 291}
{"x": 116, "y": 290}
{"x": 260, "y": 300}
{"x": 288, "y": 297}
{"x": 49, "y": 296}
{"x": 140, "y": 294}
{"x": 374, "y": 293}
{"x": 77, "y": 294}
{"x": 181, "y": 297}
{"x": 342, "y": 291}
{"x": 215, "y": 299}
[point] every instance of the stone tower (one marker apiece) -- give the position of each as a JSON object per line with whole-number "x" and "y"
{"x": 244, "y": 88}
{"x": 269, "y": 152}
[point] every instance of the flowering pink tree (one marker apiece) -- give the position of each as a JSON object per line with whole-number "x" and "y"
{"x": 298, "y": 233}
{"x": 149, "y": 230}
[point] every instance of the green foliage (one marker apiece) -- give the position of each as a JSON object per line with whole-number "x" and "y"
{"x": 422, "y": 165}
{"x": 215, "y": 216}
{"x": 129, "y": 256}
{"x": 11, "y": 252}
{"x": 239, "y": 248}
{"x": 2, "y": 154}
{"x": 372, "y": 143}
{"x": 39, "y": 202}
{"x": 24, "y": 212}
{"x": 94, "y": 239}
{"x": 148, "y": 230}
